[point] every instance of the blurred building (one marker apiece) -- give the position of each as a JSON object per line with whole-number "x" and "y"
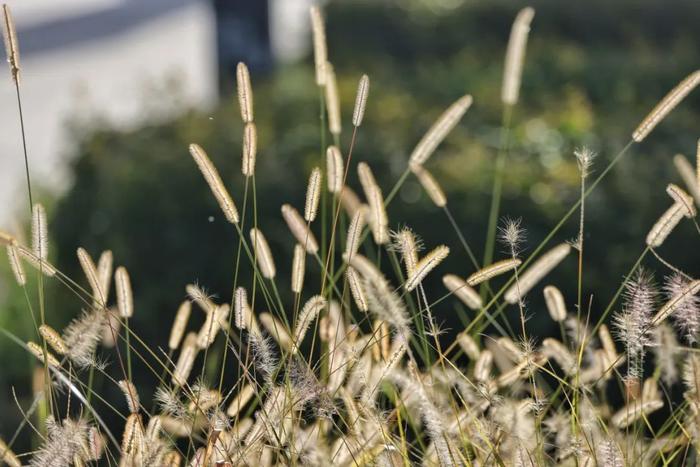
{"x": 126, "y": 62}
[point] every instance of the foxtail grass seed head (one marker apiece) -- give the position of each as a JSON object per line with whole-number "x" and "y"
{"x": 688, "y": 174}
{"x": 125, "y": 298}
{"x": 6, "y": 238}
{"x": 440, "y": 129}
{"x": 584, "y": 159}
{"x": 332, "y": 101}
{"x": 299, "y": 229}
{"x": 356, "y": 289}
{"x": 308, "y": 313}
{"x": 313, "y": 195}
{"x": 298, "y": 268}
{"x": 245, "y": 92}
{"x": 38, "y": 352}
{"x": 634, "y": 411}
{"x": 40, "y": 237}
{"x": 242, "y": 313}
{"x": 46, "y": 268}
{"x": 511, "y": 234}
{"x": 11, "y": 45}
{"x": 6, "y": 454}
{"x": 352, "y": 242}
{"x": 425, "y": 265}
{"x": 349, "y": 200}
{"x": 179, "y": 324}
{"x": 536, "y": 272}
{"x": 683, "y": 296}
{"x": 493, "y": 270}
{"x": 16, "y": 265}
{"x": 90, "y": 271}
{"x": 318, "y": 30}
{"x": 377, "y": 219}
{"x": 211, "y": 175}
{"x": 665, "y": 106}
{"x": 682, "y": 198}
{"x": 515, "y": 56}
{"x": 360, "y": 101}
{"x": 212, "y": 325}
{"x": 468, "y": 345}
{"x": 244, "y": 395}
{"x": 462, "y": 291}
{"x": 665, "y": 225}
{"x": 104, "y": 272}
{"x": 53, "y": 338}
{"x": 334, "y": 169}
{"x": 132, "y": 438}
{"x": 263, "y": 254}
{"x": 185, "y": 361}
{"x": 687, "y": 309}
{"x": 483, "y": 365}
{"x": 406, "y": 243}
{"x": 555, "y": 303}
{"x": 430, "y": 185}
{"x": 276, "y": 329}
{"x": 250, "y": 149}
{"x": 132, "y": 397}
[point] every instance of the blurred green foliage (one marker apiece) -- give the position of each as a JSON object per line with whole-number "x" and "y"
{"x": 593, "y": 70}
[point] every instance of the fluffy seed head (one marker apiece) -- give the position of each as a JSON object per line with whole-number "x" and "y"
{"x": 90, "y": 271}
{"x": 44, "y": 266}
{"x": 440, "y": 129}
{"x": 298, "y": 268}
{"x": 132, "y": 397}
{"x": 377, "y": 219}
{"x": 332, "y": 101}
{"x": 313, "y": 195}
{"x": 16, "y": 265}
{"x": 665, "y": 225}
{"x": 334, "y": 169}
{"x": 425, "y": 265}
{"x": 536, "y": 272}
{"x": 318, "y": 30}
{"x": 492, "y": 270}
{"x": 360, "y": 101}
{"x": 352, "y": 242}
{"x": 665, "y": 106}
{"x": 462, "y": 291}
{"x": 308, "y": 313}
{"x": 356, "y": 290}
{"x": 245, "y": 92}
{"x": 430, "y": 185}
{"x": 179, "y": 324}
{"x": 683, "y": 303}
{"x": 185, "y": 361}
{"x": 584, "y": 159}
{"x": 250, "y": 149}
{"x": 211, "y": 175}
{"x": 555, "y": 303}
{"x": 38, "y": 352}
{"x": 11, "y": 45}
{"x": 40, "y": 237}
{"x": 104, "y": 272}
{"x": 125, "y": 298}
{"x": 263, "y": 254}
{"x": 299, "y": 229}
{"x": 682, "y": 198}
{"x": 53, "y": 338}
{"x": 515, "y": 56}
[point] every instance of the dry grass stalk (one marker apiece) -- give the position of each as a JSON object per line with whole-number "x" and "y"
{"x": 462, "y": 291}
{"x": 665, "y": 106}
{"x": 493, "y": 270}
{"x": 536, "y": 272}
{"x": 515, "y": 56}
{"x": 11, "y": 45}
{"x": 125, "y": 297}
{"x": 211, "y": 175}
{"x": 179, "y": 324}
{"x": 245, "y": 92}
{"x": 263, "y": 254}
{"x": 299, "y": 229}
{"x": 313, "y": 195}
{"x": 440, "y": 129}
{"x": 358, "y": 112}
{"x": 250, "y": 149}
{"x": 332, "y": 101}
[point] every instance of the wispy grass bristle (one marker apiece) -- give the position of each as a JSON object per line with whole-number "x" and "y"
{"x": 211, "y": 175}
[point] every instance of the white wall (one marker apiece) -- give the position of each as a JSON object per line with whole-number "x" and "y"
{"x": 107, "y": 78}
